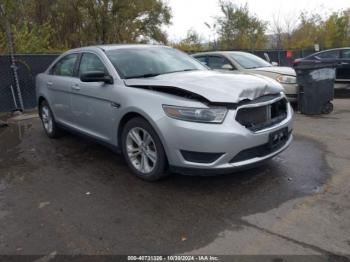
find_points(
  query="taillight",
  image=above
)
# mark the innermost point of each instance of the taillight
(296, 62)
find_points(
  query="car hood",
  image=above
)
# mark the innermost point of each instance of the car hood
(213, 86)
(277, 69)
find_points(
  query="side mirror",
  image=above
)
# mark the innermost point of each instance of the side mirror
(96, 76)
(227, 67)
(274, 63)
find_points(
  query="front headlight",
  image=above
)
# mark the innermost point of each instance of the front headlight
(283, 79)
(206, 115)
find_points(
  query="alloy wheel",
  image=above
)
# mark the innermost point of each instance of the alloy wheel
(141, 150)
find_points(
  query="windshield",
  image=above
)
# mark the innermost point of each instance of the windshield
(249, 61)
(151, 61)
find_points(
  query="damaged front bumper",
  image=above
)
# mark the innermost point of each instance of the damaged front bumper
(224, 148)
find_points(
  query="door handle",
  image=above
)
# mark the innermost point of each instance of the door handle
(343, 63)
(75, 87)
(49, 84)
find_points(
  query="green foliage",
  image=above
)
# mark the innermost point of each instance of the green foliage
(124, 21)
(33, 39)
(307, 33)
(239, 29)
(57, 25)
(53, 25)
(191, 43)
(336, 30)
(2, 41)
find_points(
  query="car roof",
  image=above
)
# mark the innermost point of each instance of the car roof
(334, 49)
(328, 50)
(113, 47)
(220, 53)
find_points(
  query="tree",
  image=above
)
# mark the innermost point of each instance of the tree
(278, 32)
(213, 30)
(34, 39)
(191, 43)
(307, 33)
(6, 9)
(127, 21)
(336, 30)
(60, 24)
(238, 29)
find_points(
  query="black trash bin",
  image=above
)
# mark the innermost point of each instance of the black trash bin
(316, 88)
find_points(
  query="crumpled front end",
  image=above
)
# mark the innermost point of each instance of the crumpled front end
(252, 133)
(212, 86)
(256, 127)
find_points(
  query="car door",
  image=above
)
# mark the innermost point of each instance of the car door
(343, 70)
(60, 79)
(91, 104)
(220, 63)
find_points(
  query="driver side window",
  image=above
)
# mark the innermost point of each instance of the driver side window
(219, 62)
(91, 62)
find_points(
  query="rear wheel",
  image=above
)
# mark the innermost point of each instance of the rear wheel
(48, 121)
(143, 150)
(327, 108)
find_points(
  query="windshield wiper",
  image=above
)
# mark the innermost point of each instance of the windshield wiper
(183, 70)
(190, 69)
(143, 76)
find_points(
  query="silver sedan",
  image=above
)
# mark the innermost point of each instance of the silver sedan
(243, 62)
(163, 110)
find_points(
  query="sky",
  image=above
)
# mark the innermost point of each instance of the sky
(192, 14)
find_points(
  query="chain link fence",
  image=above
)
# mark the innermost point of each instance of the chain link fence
(28, 66)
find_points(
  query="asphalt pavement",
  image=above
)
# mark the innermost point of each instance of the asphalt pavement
(73, 196)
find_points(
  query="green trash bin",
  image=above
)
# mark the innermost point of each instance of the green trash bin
(316, 88)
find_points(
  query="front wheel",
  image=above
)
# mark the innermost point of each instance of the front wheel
(143, 150)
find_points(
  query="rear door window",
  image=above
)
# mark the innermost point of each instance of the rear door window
(219, 62)
(333, 54)
(202, 59)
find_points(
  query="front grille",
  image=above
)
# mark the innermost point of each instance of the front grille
(258, 118)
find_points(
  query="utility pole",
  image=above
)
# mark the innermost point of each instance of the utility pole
(12, 57)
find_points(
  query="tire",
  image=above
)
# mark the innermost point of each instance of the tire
(48, 121)
(143, 150)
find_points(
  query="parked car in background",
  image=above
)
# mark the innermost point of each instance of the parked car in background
(163, 109)
(243, 62)
(340, 57)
